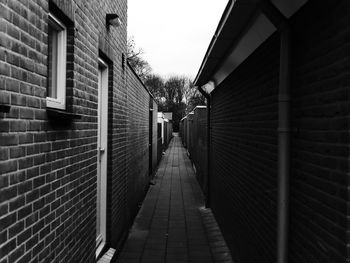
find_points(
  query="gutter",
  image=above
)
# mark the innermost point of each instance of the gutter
(207, 196)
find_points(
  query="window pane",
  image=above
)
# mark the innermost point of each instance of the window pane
(52, 63)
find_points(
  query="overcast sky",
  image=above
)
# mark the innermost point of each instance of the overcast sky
(174, 34)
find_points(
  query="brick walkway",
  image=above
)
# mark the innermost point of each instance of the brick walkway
(172, 224)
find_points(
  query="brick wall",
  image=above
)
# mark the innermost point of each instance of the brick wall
(185, 132)
(168, 133)
(244, 156)
(138, 142)
(112, 47)
(48, 165)
(244, 169)
(154, 135)
(199, 156)
(190, 138)
(320, 142)
(181, 130)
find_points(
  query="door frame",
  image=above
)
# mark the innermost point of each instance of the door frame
(102, 155)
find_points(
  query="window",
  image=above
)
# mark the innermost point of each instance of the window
(57, 48)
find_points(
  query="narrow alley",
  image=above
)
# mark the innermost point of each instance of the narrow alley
(234, 148)
(172, 224)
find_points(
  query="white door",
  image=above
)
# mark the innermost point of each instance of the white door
(102, 156)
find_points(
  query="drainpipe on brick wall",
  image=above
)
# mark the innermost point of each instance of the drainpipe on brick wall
(283, 128)
(207, 96)
(284, 147)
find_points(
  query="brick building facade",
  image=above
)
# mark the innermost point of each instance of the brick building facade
(58, 150)
(258, 51)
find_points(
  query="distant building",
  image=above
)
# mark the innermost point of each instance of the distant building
(166, 127)
(168, 115)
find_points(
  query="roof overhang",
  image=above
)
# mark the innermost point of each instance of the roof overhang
(242, 29)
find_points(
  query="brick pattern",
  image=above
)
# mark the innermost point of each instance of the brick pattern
(117, 223)
(320, 143)
(185, 132)
(244, 156)
(190, 138)
(138, 142)
(48, 166)
(244, 143)
(198, 153)
(168, 134)
(154, 136)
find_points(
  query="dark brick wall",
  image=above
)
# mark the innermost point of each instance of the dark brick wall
(320, 142)
(189, 129)
(244, 143)
(185, 131)
(181, 130)
(159, 143)
(138, 142)
(198, 154)
(154, 136)
(48, 166)
(244, 156)
(168, 133)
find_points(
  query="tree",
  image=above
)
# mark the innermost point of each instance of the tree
(176, 94)
(174, 98)
(156, 86)
(134, 56)
(193, 97)
(173, 89)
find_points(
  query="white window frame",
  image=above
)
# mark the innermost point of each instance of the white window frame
(60, 101)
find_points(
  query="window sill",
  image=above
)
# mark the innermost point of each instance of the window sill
(61, 115)
(5, 108)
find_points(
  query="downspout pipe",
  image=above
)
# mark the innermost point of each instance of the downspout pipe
(284, 129)
(207, 196)
(284, 132)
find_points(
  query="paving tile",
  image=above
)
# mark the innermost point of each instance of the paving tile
(130, 256)
(173, 244)
(177, 257)
(122, 260)
(172, 225)
(154, 253)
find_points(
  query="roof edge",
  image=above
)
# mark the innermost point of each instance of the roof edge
(243, 27)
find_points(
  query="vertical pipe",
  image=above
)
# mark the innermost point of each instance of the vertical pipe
(283, 144)
(280, 21)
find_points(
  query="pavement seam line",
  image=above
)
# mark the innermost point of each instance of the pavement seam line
(184, 208)
(171, 177)
(165, 160)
